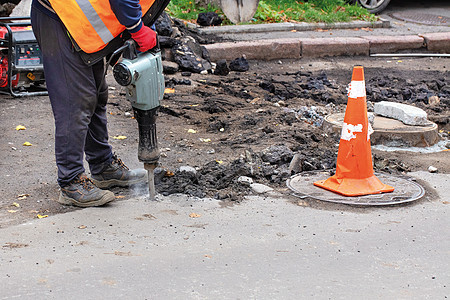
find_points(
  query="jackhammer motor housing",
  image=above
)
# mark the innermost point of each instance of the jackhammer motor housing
(144, 82)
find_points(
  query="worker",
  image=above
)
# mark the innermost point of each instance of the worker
(78, 93)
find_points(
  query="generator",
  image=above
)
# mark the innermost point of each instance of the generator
(21, 69)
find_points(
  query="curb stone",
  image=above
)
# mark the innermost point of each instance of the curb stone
(321, 47)
(256, 50)
(439, 42)
(294, 48)
(389, 44)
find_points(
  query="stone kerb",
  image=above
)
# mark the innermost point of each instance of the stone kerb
(438, 42)
(389, 44)
(409, 115)
(256, 50)
(320, 47)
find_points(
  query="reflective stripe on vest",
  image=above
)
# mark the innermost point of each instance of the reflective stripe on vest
(91, 23)
(95, 21)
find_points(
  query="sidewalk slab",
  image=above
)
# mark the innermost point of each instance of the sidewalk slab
(390, 44)
(247, 28)
(257, 50)
(346, 46)
(439, 42)
(342, 25)
(278, 27)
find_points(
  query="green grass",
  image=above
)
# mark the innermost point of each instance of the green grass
(277, 11)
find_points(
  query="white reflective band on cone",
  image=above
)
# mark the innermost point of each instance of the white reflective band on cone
(357, 89)
(348, 131)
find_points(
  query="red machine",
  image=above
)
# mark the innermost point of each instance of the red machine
(21, 70)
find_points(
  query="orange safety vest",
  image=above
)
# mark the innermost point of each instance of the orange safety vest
(91, 23)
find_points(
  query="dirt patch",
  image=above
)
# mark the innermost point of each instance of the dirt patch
(214, 129)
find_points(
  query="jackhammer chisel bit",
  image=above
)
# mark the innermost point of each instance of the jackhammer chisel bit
(141, 74)
(148, 151)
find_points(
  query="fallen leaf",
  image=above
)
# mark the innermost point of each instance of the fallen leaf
(194, 215)
(255, 100)
(82, 227)
(205, 140)
(27, 144)
(146, 217)
(169, 91)
(302, 203)
(120, 197)
(400, 61)
(192, 131)
(208, 256)
(42, 216)
(20, 127)
(219, 162)
(16, 204)
(11, 211)
(121, 253)
(14, 245)
(169, 174)
(22, 196)
(119, 137)
(193, 105)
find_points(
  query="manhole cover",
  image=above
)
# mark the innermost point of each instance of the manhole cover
(422, 18)
(406, 190)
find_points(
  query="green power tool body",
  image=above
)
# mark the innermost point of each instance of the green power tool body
(142, 76)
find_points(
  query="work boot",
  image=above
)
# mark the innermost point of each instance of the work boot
(82, 192)
(118, 174)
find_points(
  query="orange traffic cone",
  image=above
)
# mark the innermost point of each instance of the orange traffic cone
(354, 171)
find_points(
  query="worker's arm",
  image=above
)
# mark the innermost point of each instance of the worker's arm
(129, 14)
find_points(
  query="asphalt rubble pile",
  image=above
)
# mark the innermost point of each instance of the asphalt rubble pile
(303, 147)
(183, 51)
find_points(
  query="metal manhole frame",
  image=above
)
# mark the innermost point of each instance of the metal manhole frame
(409, 17)
(347, 200)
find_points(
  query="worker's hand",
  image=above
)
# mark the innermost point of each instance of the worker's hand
(145, 38)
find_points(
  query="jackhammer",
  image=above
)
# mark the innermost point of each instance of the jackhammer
(142, 75)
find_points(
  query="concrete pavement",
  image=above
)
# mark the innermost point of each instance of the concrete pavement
(268, 247)
(271, 246)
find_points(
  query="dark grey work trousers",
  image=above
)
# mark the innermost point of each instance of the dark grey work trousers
(79, 111)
